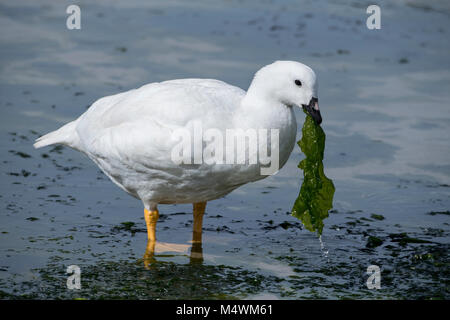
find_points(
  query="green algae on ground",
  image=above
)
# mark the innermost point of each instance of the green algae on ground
(373, 242)
(128, 279)
(433, 213)
(377, 216)
(127, 226)
(317, 191)
(403, 239)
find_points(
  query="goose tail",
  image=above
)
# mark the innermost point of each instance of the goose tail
(66, 135)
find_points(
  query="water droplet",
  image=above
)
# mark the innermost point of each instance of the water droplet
(323, 248)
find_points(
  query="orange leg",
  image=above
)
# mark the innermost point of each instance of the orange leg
(199, 210)
(197, 250)
(151, 217)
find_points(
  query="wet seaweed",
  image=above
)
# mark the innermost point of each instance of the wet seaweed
(317, 191)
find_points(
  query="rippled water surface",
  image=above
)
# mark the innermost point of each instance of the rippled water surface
(385, 103)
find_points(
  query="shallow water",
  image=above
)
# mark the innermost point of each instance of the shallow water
(385, 103)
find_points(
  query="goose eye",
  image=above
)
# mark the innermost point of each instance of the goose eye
(298, 83)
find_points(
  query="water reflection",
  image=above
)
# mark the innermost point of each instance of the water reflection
(317, 191)
(157, 247)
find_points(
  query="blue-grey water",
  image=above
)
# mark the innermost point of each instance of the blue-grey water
(384, 96)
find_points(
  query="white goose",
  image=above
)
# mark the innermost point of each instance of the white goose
(130, 135)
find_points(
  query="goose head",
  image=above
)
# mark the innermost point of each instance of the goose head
(290, 83)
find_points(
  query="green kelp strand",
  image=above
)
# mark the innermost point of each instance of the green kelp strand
(317, 191)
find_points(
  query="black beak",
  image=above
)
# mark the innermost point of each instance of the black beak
(313, 109)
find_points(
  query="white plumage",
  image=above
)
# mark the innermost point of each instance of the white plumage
(128, 135)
